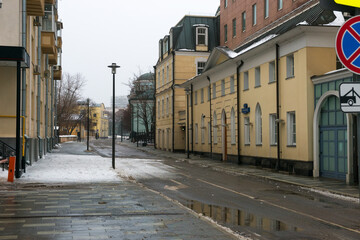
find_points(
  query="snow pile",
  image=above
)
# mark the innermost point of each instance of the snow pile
(64, 168)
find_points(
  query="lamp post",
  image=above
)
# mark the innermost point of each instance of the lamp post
(113, 71)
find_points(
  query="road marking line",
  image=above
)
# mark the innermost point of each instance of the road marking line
(287, 209)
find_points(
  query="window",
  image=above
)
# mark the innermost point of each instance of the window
(243, 26)
(158, 80)
(258, 125)
(290, 66)
(222, 87)
(246, 80)
(195, 93)
(200, 67)
(215, 128)
(201, 36)
(214, 90)
(254, 14)
(273, 129)
(160, 48)
(209, 133)
(257, 77)
(163, 76)
(202, 95)
(234, 27)
(291, 129)
(266, 8)
(280, 4)
(166, 45)
(163, 108)
(225, 33)
(272, 72)
(209, 93)
(247, 130)
(202, 129)
(232, 84)
(225, 3)
(167, 106)
(159, 109)
(232, 125)
(167, 74)
(196, 133)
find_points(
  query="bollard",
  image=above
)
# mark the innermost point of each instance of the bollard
(11, 173)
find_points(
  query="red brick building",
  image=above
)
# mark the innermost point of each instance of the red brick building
(243, 20)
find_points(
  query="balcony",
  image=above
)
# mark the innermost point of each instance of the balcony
(57, 72)
(48, 45)
(59, 42)
(50, 1)
(53, 58)
(35, 7)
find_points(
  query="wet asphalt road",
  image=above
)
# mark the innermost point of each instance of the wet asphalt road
(247, 205)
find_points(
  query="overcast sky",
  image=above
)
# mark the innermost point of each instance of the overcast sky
(98, 33)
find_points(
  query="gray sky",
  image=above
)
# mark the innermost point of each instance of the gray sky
(98, 33)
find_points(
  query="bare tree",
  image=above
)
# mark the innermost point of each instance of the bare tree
(69, 93)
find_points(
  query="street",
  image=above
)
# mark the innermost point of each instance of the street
(247, 205)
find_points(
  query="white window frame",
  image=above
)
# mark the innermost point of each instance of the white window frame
(258, 125)
(225, 3)
(198, 34)
(200, 66)
(254, 14)
(290, 66)
(223, 87)
(266, 8)
(196, 133)
(279, 4)
(232, 125)
(234, 27)
(215, 127)
(273, 129)
(243, 21)
(291, 128)
(272, 72)
(246, 130)
(232, 84)
(257, 77)
(246, 80)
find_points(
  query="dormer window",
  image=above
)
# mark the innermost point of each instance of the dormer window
(166, 45)
(202, 36)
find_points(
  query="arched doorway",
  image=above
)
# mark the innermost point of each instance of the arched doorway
(332, 143)
(224, 135)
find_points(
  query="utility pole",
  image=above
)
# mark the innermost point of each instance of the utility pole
(88, 123)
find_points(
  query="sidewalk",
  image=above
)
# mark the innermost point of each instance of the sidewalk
(329, 187)
(74, 194)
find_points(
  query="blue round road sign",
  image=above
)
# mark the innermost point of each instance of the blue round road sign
(348, 44)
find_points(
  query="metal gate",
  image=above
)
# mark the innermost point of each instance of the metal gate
(333, 152)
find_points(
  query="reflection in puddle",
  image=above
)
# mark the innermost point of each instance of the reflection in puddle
(237, 217)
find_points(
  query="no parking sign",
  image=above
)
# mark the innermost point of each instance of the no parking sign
(348, 44)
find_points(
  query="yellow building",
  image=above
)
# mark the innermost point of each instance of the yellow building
(182, 55)
(30, 55)
(256, 105)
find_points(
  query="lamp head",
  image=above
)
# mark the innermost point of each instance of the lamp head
(112, 66)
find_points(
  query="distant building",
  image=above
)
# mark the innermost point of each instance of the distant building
(142, 104)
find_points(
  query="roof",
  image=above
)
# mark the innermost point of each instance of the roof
(184, 33)
(147, 76)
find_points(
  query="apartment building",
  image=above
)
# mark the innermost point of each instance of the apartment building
(182, 55)
(30, 64)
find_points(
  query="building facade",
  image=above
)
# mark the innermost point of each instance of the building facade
(182, 55)
(254, 103)
(30, 64)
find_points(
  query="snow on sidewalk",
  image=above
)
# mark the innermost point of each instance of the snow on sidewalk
(65, 168)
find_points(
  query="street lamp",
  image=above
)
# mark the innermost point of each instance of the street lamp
(113, 71)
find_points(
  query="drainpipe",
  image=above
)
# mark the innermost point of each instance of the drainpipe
(155, 103)
(46, 103)
(173, 102)
(55, 113)
(23, 97)
(277, 166)
(38, 131)
(238, 106)
(192, 118)
(52, 110)
(211, 141)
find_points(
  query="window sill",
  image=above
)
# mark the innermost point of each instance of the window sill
(247, 144)
(290, 77)
(259, 144)
(291, 146)
(257, 86)
(272, 82)
(246, 90)
(273, 145)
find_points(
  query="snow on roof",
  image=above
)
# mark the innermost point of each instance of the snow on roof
(256, 44)
(339, 20)
(201, 25)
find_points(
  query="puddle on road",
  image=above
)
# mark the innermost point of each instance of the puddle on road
(236, 217)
